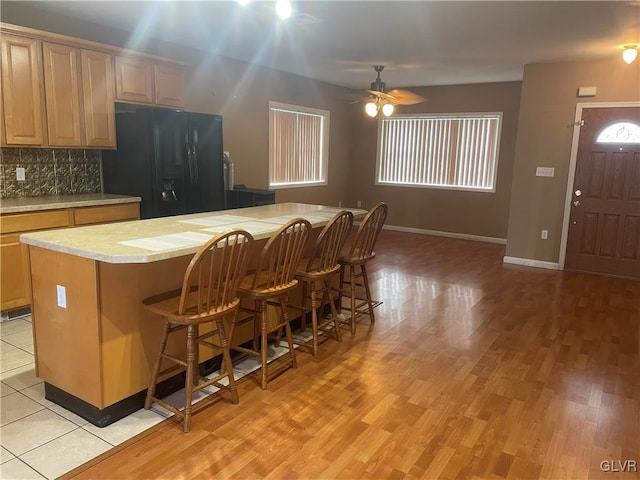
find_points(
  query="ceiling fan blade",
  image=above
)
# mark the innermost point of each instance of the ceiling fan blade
(351, 96)
(405, 97)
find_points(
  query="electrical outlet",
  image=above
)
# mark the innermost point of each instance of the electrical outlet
(340, 203)
(20, 174)
(61, 294)
(359, 203)
(544, 234)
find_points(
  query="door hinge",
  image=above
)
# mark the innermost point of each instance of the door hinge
(579, 123)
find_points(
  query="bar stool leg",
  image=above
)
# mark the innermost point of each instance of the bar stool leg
(352, 282)
(264, 343)
(151, 391)
(314, 318)
(341, 288)
(368, 292)
(303, 317)
(287, 329)
(192, 334)
(334, 312)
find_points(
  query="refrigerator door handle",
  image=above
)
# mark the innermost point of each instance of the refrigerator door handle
(195, 156)
(189, 160)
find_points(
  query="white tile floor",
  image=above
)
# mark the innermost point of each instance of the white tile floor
(39, 439)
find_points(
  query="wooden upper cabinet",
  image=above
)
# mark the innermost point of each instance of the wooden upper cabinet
(98, 96)
(22, 95)
(62, 87)
(169, 84)
(134, 80)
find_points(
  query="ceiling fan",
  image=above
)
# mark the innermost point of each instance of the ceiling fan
(382, 101)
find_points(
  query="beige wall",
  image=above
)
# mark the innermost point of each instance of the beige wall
(547, 108)
(473, 213)
(241, 94)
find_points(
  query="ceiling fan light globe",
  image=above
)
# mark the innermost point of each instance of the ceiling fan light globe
(629, 54)
(371, 108)
(387, 109)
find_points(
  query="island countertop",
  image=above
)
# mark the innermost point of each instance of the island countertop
(53, 202)
(145, 241)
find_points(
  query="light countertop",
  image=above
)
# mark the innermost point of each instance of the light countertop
(52, 202)
(144, 241)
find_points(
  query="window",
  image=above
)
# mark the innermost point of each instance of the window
(298, 146)
(623, 132)
(442, 151)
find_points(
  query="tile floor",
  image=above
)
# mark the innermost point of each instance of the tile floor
(39, 439)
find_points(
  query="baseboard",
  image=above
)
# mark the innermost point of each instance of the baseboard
(436, 233)
(527, 262)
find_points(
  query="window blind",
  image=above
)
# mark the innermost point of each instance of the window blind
(297, 146)
(444, 151)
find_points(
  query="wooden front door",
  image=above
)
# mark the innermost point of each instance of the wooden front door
(604, 225)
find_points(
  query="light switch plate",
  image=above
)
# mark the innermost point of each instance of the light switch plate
(545, 172)
(20, 174)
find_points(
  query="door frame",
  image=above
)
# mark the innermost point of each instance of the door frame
(572, 168)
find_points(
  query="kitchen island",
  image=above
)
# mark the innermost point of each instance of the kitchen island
(94, 343)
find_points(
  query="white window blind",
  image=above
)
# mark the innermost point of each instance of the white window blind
(445, 151)
(298, 141)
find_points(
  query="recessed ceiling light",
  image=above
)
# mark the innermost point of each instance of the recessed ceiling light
(243, 2)
(283, 9)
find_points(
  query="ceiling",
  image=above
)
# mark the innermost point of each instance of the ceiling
(421, 43)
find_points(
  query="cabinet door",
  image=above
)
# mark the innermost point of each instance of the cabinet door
(98, 99)
(169, 84)
(134, 80)
(15, 291)
(62, 87)
(22, 91)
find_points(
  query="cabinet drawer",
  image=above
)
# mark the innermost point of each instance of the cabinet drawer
(24, 222)
(109, 213)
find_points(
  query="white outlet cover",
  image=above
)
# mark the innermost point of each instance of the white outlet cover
(20, 174)
(61, 293)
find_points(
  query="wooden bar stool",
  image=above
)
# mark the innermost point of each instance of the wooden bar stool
(315, 274)
(208, 294)
(356, 254)
(270, 284)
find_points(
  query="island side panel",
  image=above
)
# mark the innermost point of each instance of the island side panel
(67, 340)
(131, 334)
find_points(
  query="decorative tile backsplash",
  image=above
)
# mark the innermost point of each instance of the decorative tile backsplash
(49, 172)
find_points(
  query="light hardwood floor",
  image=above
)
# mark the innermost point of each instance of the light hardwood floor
(474, 369)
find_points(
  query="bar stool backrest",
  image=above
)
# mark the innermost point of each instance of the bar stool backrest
(330, 242)
(367, 234)
(214, 274)
(281, 256)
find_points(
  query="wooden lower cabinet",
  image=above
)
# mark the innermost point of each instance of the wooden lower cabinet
(15, 281)
(15, 290)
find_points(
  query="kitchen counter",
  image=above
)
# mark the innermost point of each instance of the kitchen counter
(52, 202)
(145, 241)
(95, 343)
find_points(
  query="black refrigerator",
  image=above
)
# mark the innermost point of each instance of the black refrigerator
(171, 159)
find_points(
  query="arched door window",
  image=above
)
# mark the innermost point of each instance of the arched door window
(623, 132)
